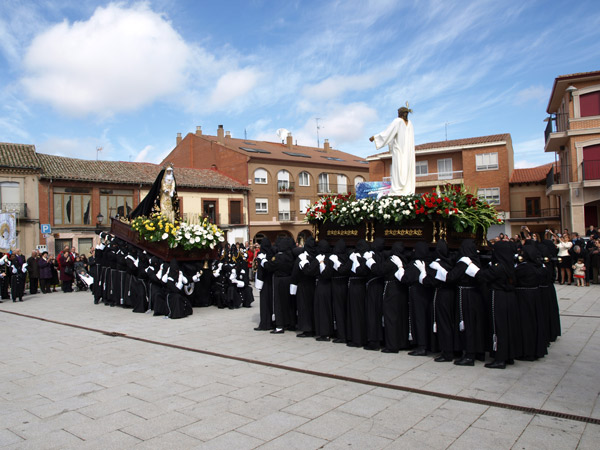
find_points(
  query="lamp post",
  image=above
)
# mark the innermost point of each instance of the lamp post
(99, 220)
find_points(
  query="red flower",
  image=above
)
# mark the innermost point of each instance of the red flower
(446, 211)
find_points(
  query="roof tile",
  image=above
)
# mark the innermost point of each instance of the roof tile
(530, 175)
(18, 156)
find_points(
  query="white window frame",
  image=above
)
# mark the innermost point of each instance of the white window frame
(261, 201)
(301, 179)
(323, 175)
(487, 161)
(261, 180)
(489, 195)
(357, 180)
(342, 180)
(419, 165)
(303, 205)
(445, 174)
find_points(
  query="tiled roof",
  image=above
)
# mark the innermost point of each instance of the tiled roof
(561, 83)
(277, 151)
(531, 175)
(18, 156)
(579, 75)
(457, 143)
(62, 168)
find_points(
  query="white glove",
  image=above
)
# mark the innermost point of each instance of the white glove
(179, 286)
(261, 256)
(303, 256)
(321, 258)
(368, 255)
(165, 278)
(262, 263)
(196, 277)
(258, 284)
(399, 274)
(24, 267)
(233, 275)
(435, 265)
(421, 266)
(100, 246)
(159, 274)
(354, 257)
(293, 289)
(302, 263)
(183, 278)
(396, 261)
(240, 283)
(370, 262)
(14, 269)
(472, 270)
(336, 261)
(136, 262)
(441, 274)
(466, 260)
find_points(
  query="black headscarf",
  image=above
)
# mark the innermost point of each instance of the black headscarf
(323, 247)
(469, 249)
(266, 248)
(503, 254)
(399, 251)
(310, 246)
(421, 251)
(340, 250)
(361, 246)
(443, 254)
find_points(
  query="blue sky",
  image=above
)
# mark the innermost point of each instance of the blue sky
(127, 76)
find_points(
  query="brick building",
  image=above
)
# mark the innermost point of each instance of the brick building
(284, 177)
(483, 164)
(529, 203)
(573, 134)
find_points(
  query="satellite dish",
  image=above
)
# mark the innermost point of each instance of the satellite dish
(282, 133)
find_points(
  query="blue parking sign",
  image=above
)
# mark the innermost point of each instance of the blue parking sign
(45, 228)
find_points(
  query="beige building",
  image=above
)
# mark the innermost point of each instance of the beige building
(19, 175)
(284, 177)
(573, 134)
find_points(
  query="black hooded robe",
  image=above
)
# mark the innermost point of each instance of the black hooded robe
(395, 303)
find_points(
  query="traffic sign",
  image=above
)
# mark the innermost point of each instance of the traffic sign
(45, 228)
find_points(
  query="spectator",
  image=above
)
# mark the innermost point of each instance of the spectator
(564, 245)
(579, 272)
(45, 267)
(66, 265)
(33, 271)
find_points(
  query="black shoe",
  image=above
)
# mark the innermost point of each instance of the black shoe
(306, 334)
(339, 341)
(352, 344)
(510, 362)
(496, 365)
(277, 331)
(20, 299)
(442, 358)
(14, 301)
(372, 346)
(464, 362)
(291, 328)
(261, 329)
(421, 352)
(323, 338)
(387, 350)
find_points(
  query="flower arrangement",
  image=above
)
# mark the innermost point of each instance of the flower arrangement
(453, 202)
(157, 228)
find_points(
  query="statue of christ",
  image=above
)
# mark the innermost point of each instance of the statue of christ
(400, 137)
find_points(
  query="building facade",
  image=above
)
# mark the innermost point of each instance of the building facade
(573, 135)
(483, 164)
(284, 177)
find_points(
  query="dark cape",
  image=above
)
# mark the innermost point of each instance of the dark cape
(395, 301)
(151, 201)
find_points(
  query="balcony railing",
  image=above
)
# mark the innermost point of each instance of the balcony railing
(286, 216)
(450, 175)
(19, 208)
(590, 170)
(557, 175)
(548, 130)
(285, 187)
(536, 214)
(329, 188)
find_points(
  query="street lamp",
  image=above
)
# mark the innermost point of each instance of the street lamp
(99, 219)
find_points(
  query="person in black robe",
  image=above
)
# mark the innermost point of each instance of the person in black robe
(357, 294)
(239, 292)
(156, 272)
(531, 308)
(220, 286)
(339, 290)
(420, 300)
(281, 266)
(34, 272)
(4, 275)
(178, 305)
(395, 301)
(443, 306)
(303, 287)
(505, 320)
(470, 313)
(18, 268)
(549, 297)
(374, 300)
(264, 283)
(321, 268)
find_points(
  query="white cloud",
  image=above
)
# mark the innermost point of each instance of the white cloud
(233, 86)
(82, 148)
(536, 94)
(336, 86)
(118, 60)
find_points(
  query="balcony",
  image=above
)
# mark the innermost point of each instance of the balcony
(285, 187)
(434, 179)
(536, 215)
(19, 208)
(286, 216)
(328, 188)
(557, 179)
(554, 139)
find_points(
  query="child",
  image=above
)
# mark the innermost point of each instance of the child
(579, 272)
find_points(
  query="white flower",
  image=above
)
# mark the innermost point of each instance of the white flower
(165, 235)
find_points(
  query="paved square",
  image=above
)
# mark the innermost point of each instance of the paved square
(90, 376)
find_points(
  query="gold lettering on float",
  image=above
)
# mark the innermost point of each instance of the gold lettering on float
(342, 232)
(413, 232)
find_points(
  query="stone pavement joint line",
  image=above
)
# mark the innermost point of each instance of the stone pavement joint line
(525, 409)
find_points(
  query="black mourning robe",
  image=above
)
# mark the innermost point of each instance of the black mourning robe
(395, 302)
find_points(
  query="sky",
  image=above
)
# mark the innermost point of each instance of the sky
(78, 75)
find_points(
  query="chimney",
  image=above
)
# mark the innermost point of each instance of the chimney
(178, 140)
(326, 145)
(198, 131)
(220, 133)
(289, 141)
(228, 134)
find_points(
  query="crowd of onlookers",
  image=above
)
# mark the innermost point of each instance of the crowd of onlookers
(42, 271)
(578, 257)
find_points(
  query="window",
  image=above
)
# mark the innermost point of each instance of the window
(235, 212)
(323, 183)
(284, 209)
(304, 179)
(421, 168)
(84, 245)
(532, 207)
(358, 180)
(304, 205)
(9, 194)
(209, 209)
(261, 205)
(260, 176)
(283, 180)
(72, 206)
(116, 202)
(486, 161)
(60, 244)
(445, 169)
(491, 195)
(342, 181)
(589, 104)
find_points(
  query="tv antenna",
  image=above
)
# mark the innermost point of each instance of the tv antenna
(98, 149)
(318, 128)
(446, 126)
